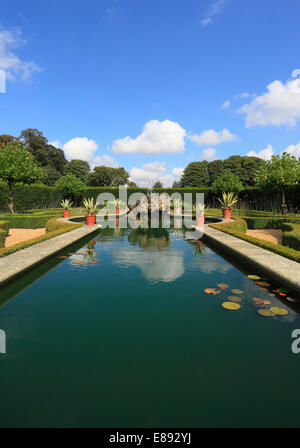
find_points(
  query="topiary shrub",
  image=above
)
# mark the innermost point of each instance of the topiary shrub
(291, 235)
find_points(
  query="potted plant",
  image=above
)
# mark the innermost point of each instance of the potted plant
(66, 205)
(177, 206)
(228, 200)
(91, 208)
(116, 203)
(200, 214)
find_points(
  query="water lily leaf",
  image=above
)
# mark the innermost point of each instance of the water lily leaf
(234, 298)
(267, 313)
(254, 277)
(212, 291)
(279, 310)
(223, 286)
(282, 294)
(258, 300)
(231, 305)
(271, 294)
(267, 302)
(62, 257)
(237, 291)
(263, 284)
(291, 299)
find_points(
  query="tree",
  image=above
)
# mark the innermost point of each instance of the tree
(132, 184)
(80, 169)
(250, 166)
(6, 139)
(279, 173)
(176, 184)
(195, 175)
(45, 155)
(17, 165)
(105, 176)
(51, 175)
(158, 185)
(227, 182)
(71, 187)
(215, 170)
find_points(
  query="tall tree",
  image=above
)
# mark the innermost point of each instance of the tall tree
(215, 170)
(158, 185)
(250, 166)
(80, 168)
(195, 175)
(44, 154)
(17, 165)
(279, 173)
(5, 139)
(227, 182)
(105, 176)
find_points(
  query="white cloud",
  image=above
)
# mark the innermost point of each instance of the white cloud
(153, 172)
(56, 144)
(296, 73)
(294, 150)
(157, 137)
(80, 148)
(104, 160)
(209, 154)
(278, 106)
(215, 9)
(225, 105)
(11, 63)
(212, 137)
(265, 154)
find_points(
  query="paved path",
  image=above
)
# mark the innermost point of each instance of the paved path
(15, 264)
(280, 268)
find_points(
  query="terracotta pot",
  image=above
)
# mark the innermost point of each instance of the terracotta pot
(200, 220)
(117, 210)
(226, 213)
(90, 220)
(177, 211)
(66, 213)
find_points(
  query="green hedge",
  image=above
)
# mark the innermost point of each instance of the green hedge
(63, 228)
(4, 228)
(26, 222)
(291, 235)
(274, 222)
(276, 248)
(29, 196)
(53, 225)
(238, 225)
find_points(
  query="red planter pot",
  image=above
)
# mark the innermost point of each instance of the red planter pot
(200, 220)
(66, 213)
(90, 220)
(226, 213)
(177, 211)
(117, 211)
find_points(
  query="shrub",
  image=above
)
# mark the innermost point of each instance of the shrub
(238, 225)
(27, 222)
(291, 235)
(269, 222)
(3, 235)
(71, 187)
(52, 225)
(227, 182)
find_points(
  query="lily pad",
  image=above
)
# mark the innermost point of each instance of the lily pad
(254, 277)
(223, 286)
(62, 257)
(267, 313)
(279, 310)
(231, 305)
(212, 291)
(237, 291)
(291, 299)
(267, 302)
(234, 298)
(263, 284)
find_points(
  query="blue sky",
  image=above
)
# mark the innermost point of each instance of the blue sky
(152, 85)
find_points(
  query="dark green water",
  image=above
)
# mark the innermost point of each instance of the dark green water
(134, 341)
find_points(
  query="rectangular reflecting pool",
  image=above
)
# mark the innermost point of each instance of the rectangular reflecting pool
(143, 328)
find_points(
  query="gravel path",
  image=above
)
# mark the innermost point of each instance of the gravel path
(19, 235)
(272, 235)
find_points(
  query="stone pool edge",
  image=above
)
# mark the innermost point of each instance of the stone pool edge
(16, 264)
(284, 270)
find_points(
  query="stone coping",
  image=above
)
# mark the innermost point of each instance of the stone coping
(17, 263)
(280, 268)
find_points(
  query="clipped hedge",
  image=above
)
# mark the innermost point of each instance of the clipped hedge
(53, 225)
(291, 235)
(29, 196)
(26, 221)
(4, 228)
(269, 222)
(238, 225)
(62, 228)
(287, 252)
